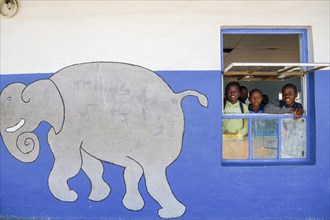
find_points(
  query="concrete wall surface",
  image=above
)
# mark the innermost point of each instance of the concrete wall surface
(160, 35)
(142, 139)
(197, 178)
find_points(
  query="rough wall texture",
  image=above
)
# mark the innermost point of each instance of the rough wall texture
(197, 178)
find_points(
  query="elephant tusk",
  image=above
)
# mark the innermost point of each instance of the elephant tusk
(16, 127)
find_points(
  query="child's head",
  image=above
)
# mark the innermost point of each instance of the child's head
(289, 94)
(265, 99)
(232, 92)
(243, 93)
(255, 97)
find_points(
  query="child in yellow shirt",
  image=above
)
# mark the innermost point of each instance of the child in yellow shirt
(233, 106)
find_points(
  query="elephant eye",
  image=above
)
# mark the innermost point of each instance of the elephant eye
(9, 98)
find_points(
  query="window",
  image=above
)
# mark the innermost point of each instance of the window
(267, 59)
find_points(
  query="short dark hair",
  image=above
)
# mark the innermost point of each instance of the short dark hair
(255, 90)
(234, 83)
(289, 85)
(243, 87)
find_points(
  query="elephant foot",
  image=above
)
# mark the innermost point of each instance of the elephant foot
(172, 212)
(99, 193)
(69, 196)
(133, 202)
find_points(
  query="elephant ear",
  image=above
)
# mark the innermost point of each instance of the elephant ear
(46, 101)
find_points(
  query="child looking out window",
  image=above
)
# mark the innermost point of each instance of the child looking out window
(233, 106)
(255, 97)
(287, 104)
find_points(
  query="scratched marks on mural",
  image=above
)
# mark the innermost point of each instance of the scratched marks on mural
(102, 111)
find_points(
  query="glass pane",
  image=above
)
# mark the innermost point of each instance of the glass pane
(264, 138)
(234, 148)
(234, 139)
(293, 138)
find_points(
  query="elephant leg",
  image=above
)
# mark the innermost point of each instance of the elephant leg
(94, 170)
(159, 189)
(67, 164)
(132, 175)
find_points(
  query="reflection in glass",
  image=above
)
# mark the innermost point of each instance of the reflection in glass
(293, 138)
(264, 138)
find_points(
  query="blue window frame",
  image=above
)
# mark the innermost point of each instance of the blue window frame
(278, 120)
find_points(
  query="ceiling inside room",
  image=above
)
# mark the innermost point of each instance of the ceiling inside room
(279, 48)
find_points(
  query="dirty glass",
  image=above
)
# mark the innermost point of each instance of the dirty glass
(293, 138)
(264, 138)
(234, 148)
(235, 143)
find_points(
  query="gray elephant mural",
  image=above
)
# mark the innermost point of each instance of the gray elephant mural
(101, 111)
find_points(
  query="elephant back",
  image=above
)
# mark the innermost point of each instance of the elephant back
(117, 89)
(115, 80)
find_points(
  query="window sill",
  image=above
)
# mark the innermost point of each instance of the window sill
(268, 162)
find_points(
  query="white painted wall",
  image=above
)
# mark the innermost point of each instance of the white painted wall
(45, 36)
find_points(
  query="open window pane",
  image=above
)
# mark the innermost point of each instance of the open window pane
(264, 138)
(293, 138)
(269, 71)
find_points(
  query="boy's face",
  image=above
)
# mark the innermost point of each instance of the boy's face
(255, 99)
(289, 96)
(232, 94)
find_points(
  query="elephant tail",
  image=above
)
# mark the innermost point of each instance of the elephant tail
(201, 98)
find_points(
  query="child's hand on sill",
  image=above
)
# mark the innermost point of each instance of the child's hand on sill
(298, 113)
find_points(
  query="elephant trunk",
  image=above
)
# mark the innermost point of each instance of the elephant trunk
(23, 146)
(22, 109)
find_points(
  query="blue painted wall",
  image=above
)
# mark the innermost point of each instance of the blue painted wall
(208, 189)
